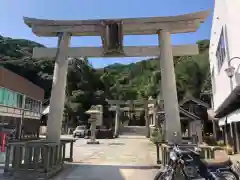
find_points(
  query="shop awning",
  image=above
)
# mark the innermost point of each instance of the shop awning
(234, 116)
(231, 103)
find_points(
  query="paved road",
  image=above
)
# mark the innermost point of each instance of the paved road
(125, 158)
(106, 172)
(235, 158)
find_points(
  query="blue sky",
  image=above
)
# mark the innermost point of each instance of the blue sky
(12, 12)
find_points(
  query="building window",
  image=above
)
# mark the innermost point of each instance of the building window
(14, 99)
(28, 103)
(19, 100)
(1, 95)
(32, 104)
(11, 99)
(5, 97)
(35, 103)
(221, 51)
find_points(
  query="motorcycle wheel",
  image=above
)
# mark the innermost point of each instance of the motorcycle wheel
(228, 175)
(162, 176)
(159, 176)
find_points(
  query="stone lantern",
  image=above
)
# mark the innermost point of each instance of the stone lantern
(95, 112)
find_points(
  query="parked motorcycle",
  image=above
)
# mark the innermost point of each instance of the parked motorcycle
(189, 165)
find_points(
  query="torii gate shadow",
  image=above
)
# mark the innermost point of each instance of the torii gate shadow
(106, 172)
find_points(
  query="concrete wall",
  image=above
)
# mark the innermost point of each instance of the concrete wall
(226, 16)
(19, 84)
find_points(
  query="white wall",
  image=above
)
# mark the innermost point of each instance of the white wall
(227, 16)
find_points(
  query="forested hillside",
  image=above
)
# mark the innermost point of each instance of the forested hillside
(142, 79)
(87, 86)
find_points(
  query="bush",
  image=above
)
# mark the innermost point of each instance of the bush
(228, 148)
(210, 140)
(157, 135)
(220, 143)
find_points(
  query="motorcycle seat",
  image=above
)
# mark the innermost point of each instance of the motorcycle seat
(219, 162)
(185, 152)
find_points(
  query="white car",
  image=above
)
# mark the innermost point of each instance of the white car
(79, 131)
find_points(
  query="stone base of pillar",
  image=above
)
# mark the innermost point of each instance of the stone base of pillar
(93, 142)
(115, 135)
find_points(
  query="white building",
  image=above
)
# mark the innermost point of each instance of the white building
(224, 55)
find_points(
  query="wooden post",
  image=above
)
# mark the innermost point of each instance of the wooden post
(30, 154)
(64, 152)
(46, 158)
(36, 156)
(225, 133)
(71, 151)
(158, 157)
(17, 158)
(60, 153)
(52, 155)
(117, 122)
(146, 119)
(214, 129)
(26, 157)
(7, 160)
(20, 124)
(236, 137)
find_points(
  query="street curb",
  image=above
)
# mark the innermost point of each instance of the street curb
(120, 165)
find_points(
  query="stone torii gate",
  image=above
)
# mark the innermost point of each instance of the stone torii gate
(112, 32)
(117, 109)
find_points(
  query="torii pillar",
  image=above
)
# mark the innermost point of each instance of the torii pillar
(169, 90)
(146, 119)
(55, 116)
(117, 121)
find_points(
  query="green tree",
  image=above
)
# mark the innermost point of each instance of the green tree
(87, 86)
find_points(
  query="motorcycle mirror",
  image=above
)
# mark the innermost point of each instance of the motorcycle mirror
(197, 149)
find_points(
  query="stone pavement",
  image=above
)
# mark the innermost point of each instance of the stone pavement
(105, 172)
(235, 158)
(131, 150)
(125, 158)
